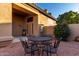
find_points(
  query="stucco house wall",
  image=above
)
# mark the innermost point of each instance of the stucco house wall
(48, 24)
(74, 28)
(5, 21)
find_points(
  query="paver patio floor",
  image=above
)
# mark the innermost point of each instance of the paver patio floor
(65, 49)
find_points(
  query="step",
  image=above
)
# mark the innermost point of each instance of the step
(5, 40)
(5, 43)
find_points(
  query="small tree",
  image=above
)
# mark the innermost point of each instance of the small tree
(62, 32)
(70, 17)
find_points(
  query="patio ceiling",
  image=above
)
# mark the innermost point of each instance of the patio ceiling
(21, 13)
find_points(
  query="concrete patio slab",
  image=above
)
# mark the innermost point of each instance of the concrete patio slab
(65, 49)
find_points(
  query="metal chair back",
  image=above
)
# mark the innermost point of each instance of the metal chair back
(56, 43)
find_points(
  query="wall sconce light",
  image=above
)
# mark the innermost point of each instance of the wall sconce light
(41, 28)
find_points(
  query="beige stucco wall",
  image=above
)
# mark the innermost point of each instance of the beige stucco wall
(5, 29)
(48, 24)
(49, 30)
(5, 13)
(46, 21)
(5, 19)
(42, 19)
(74, 31)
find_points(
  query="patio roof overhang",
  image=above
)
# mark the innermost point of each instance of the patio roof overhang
(40, 10)
(20, 10)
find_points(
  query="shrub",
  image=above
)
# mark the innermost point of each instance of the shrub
(62, 32)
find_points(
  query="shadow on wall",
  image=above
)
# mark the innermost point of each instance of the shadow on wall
(47, 31)
(5, 29)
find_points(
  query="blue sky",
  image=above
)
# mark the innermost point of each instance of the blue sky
(59, 8)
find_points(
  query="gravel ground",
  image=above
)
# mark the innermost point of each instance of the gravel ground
(65, 49)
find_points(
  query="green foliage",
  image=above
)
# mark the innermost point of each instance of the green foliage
(62, 32)
(68, 17)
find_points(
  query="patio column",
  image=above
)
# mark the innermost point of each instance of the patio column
(35, 26)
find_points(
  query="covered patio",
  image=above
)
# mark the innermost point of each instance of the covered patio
(23, 19)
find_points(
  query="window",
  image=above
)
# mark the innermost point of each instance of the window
(41, 28)
(30, 19)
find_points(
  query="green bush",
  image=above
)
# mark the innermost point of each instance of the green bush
(62, 32)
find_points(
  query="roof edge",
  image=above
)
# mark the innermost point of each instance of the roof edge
(40, 10)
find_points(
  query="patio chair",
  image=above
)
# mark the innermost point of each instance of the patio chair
(51, 49)
(29, 49)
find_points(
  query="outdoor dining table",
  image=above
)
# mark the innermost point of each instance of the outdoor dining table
(39, 41)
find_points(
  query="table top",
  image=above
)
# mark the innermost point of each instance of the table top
(40, 39)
